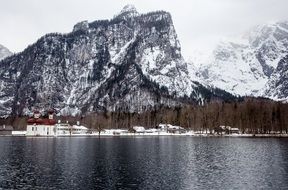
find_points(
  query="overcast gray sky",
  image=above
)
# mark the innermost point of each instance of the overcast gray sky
(199, 23)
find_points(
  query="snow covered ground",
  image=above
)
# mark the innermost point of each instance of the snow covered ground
(18, 133)
(124, 132)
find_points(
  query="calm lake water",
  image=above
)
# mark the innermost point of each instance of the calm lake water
(143, 163)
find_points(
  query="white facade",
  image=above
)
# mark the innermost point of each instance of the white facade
(55, 130)
(63, 129)
(66, 129)
(79, 129)
(234, 131)
(40, 130)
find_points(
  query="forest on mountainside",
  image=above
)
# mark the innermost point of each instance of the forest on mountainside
(253, 115)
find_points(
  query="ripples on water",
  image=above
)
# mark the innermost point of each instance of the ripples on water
(143, 163)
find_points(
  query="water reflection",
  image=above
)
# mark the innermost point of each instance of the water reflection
(143, 163)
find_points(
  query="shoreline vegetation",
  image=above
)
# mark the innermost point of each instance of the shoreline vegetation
(253, 116)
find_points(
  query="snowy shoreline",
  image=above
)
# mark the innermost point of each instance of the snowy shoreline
(188, 134)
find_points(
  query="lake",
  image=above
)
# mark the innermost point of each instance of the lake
(143, 163)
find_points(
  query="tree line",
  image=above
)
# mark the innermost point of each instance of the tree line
(253, 115)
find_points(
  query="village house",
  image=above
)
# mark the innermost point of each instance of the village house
(222, 129)
(171, 128)
(176, 129)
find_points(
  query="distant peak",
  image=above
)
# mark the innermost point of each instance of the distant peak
(84, 25)
(4, 52)
(128, 10)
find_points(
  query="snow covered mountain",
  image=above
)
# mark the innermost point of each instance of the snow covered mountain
(132, 62)
(4, 52)
(250, 66)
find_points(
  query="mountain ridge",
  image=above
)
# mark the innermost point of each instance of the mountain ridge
(4, 52)
(248, 67)
(129, 63)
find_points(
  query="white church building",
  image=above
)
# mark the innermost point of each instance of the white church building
(37, 126)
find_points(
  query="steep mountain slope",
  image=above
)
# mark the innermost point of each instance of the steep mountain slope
(277, 86)
(132, 62)
(4, 52)
(245, 67)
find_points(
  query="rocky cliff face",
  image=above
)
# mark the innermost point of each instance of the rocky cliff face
(249, 67)
(4, 52)
(132, 62)
(277, 86)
